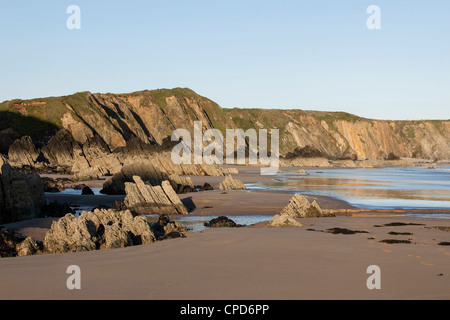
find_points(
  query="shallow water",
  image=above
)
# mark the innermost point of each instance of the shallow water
(78, 192)
(383, 188)
(195, 223)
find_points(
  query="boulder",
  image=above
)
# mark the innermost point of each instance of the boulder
(100, 229)
(86, 191)
(229, 183)
(221, 222)
(21, 195)
(300, 207)
(165, 229)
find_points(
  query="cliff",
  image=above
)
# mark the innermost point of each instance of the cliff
(151, 116)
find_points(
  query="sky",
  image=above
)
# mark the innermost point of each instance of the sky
(311, 55)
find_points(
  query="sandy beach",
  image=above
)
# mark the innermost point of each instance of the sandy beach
(251, 262)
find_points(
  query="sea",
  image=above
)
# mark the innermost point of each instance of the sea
(365, 188)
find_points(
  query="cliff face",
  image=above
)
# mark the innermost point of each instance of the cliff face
(151, 116)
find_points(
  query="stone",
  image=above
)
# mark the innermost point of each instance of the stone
(27, 247)
(23, 152)
(284, 221)
(229, 183)
(21, 195)
(86, 191)
(99, 229)
(300, 207)
(59, 150)
(221, 222)
(144, 198)
(165, 229)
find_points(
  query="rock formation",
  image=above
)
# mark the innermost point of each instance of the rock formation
(144, 198)
(145, 170)
(300, 207)
(151, 116)
(21, 195)
(221, 222)
(229, 183)
(100, 229)
(59, 150)
(27, 247)
(23, 152)
(283, 221)
(86, 191)
(12, 245)
(165, 229)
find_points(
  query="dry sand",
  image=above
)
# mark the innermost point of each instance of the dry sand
(250, 263)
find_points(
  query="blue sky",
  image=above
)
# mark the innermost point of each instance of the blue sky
(312, 55)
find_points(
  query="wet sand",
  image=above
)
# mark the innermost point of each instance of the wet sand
(251, 263)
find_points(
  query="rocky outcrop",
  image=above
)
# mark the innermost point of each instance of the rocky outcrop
(229, 183)
(94, 158)
(144, 198)
(21, 195)
(100, 229)
(300, 207)
(59, 150)
(12, 245)
(23, 152)
(145, 170)
(283, 221)
(27, 247)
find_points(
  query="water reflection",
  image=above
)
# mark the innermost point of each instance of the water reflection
(382, 187)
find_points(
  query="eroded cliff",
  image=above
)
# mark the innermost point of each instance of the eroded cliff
(110, 120)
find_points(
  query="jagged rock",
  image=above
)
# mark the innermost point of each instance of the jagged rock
(284, 221)
(23, 152)
(221, 222)
(160, 168)
(229, 183)
(94, 158)
(165, 229)
(299, 207)
(302, 171)
(147, 171)
(27, 247)
(59, 150)
(147, 199)
(100, 229)
(181, 184)
(21, 195)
